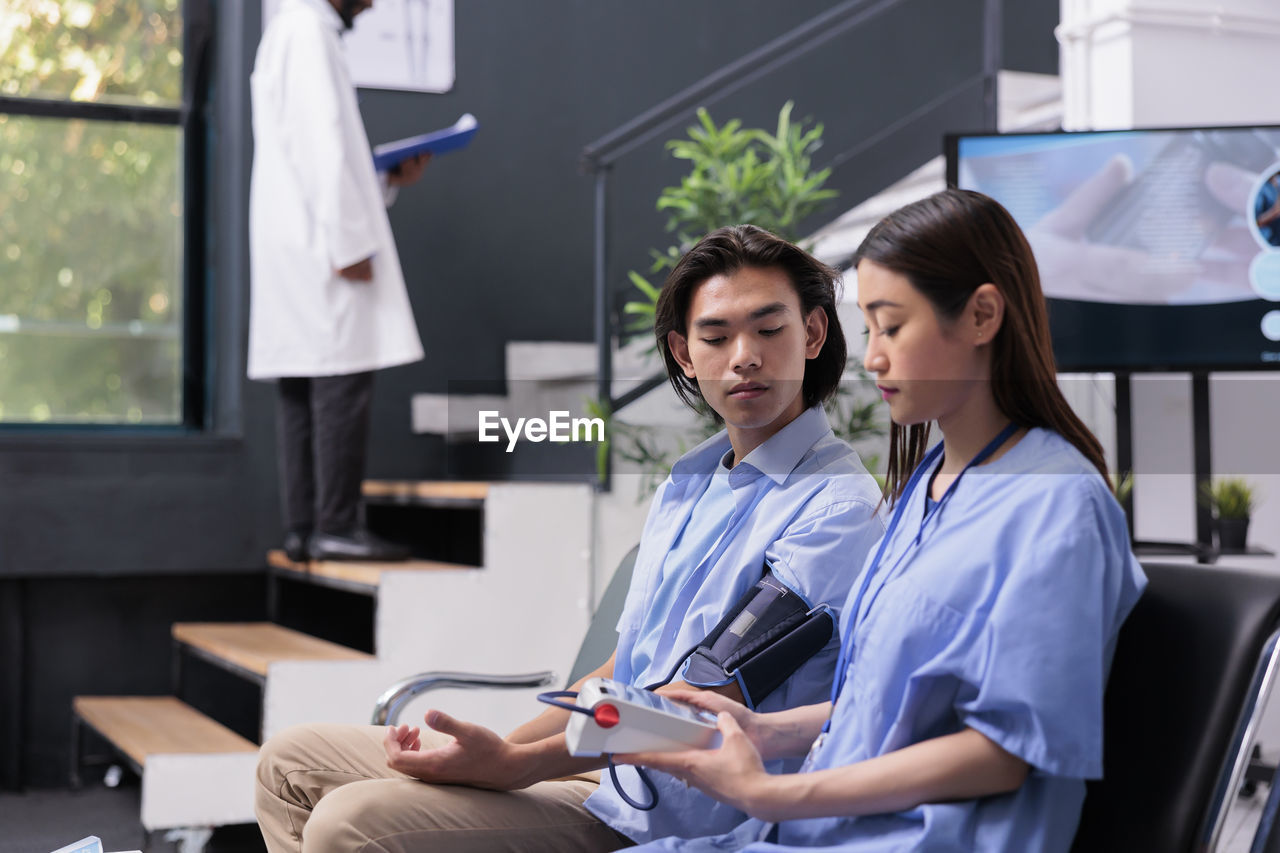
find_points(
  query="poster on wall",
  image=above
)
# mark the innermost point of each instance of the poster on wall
(398, 44)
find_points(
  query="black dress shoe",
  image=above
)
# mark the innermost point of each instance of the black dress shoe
(295, 545)
(354, 545)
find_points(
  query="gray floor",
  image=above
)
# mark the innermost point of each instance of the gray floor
(40, 821)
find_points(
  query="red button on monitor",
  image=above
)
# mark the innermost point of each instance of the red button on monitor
(606, 716)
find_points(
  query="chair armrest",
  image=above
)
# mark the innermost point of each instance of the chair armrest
(387, 711)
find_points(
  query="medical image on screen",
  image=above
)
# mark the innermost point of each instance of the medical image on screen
(1158, 249)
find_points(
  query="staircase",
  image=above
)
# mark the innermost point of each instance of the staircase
(541, 376)
(522, 606)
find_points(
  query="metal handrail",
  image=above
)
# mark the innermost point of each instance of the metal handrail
(760, 62)
(906, 121)
(599, 156)
(387, 709)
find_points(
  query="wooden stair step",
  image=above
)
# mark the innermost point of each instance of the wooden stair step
(254, 646)
(354, 575)
(436, 493)
(141, 726)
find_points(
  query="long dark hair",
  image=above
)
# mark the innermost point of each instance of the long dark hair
(948, 245)
(724, 252)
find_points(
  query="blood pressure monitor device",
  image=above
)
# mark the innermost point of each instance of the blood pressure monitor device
(758, 644)
(616, 717)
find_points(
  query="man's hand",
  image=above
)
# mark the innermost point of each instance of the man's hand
(477, 757)
(359, 271)
(408, 171)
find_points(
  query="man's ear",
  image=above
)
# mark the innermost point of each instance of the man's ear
(986, 311)
(679, 346)
(815, 332)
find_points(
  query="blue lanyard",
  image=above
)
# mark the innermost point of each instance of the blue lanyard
(847, 644)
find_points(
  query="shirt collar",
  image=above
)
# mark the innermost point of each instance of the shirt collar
(704, 456)
(776, 458)
(782, 452)
(325, 10)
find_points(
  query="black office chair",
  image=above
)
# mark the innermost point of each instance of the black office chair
(597, 645)
(1194, 667)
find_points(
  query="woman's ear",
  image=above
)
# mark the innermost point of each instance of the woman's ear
(679, 346)
(986, 311)
(815, 332)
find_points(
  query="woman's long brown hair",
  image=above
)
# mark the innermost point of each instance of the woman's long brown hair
(948, 245)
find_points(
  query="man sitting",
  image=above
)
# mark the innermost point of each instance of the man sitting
(747, 323)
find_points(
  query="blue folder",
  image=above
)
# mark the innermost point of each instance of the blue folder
(391, 154)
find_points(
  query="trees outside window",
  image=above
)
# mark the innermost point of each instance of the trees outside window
(93, 124)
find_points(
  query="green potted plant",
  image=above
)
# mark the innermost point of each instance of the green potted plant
(1122, 485)
(736, 174)
(1231, 499)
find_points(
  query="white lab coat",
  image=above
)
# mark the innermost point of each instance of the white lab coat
(316, 205)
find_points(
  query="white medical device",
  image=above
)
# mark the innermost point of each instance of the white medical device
(616, 717)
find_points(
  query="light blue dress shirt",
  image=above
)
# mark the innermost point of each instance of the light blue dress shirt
(803, 502)
(706, 524)
(1002, 619)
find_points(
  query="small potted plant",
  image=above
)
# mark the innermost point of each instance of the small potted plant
(1232, 500)
(1122, 485)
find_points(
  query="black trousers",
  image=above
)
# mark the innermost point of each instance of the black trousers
(322, 428)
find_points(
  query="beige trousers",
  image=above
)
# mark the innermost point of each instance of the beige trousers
(327, 789)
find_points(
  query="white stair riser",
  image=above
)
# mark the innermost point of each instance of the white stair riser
(526, 610)
(198, 790)
(551, 361)
(454, 415)
(298, 692)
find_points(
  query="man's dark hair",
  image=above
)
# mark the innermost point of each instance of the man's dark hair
(347, 12)
(724, 252)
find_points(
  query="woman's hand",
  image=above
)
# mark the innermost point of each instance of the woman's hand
(780, 734)
(477, 756)
(733, 774)
(749, 721)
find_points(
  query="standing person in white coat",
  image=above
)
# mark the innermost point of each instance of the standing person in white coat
(329, 304)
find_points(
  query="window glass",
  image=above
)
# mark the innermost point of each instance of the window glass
(91, 283)
(123, 51)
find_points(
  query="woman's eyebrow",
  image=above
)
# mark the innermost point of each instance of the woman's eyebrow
(882, 303)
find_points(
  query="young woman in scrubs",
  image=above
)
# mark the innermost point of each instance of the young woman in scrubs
(966, 712)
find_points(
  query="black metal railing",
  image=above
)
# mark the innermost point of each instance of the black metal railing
(599, 157)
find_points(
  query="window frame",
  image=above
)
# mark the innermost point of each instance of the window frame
(191, 117)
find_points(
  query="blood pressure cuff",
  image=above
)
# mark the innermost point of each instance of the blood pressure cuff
(764, 638)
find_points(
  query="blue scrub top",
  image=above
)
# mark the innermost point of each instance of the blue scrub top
(803, 502)
(1004, 619)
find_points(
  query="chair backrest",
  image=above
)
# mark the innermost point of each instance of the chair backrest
(1184, 666)
(602, 633)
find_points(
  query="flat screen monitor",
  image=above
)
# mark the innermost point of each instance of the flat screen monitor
(1158, 249)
